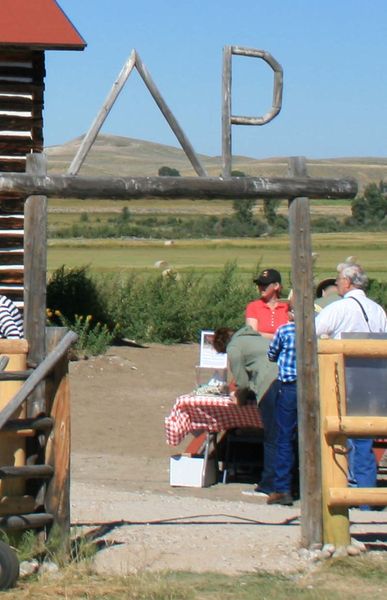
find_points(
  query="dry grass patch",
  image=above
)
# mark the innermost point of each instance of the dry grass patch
(337, 579)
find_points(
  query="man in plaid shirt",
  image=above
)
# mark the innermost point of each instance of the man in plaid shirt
(283, 351)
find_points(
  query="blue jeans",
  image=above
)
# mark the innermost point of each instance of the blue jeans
(267, 407)
(362, 464)
(286, 433)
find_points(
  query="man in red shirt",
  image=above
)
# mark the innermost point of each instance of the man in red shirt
(269, 312)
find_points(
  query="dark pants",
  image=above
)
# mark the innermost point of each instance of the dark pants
(267, 407)
(286, 433)
(362, 464)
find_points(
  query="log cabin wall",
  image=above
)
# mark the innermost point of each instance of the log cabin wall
(21, 132)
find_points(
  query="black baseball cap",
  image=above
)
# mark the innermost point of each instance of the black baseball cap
(268, 276)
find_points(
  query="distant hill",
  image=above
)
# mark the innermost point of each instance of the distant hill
(116, 155)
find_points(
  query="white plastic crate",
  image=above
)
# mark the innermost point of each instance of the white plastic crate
(188, 471)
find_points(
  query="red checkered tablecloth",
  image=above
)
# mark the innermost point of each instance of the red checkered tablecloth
(207, 413)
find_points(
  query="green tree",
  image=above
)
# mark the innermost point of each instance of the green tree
(244, 210)
(371, 207)
(270, 210)
(168, 172)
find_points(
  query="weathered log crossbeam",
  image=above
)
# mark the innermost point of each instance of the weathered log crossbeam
(65, 186)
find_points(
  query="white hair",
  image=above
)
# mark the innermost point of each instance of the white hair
(354, 273)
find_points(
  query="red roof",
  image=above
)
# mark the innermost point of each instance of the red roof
(39, 24)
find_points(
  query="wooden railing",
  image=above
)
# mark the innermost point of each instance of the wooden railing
(41, 495)
(336, 428)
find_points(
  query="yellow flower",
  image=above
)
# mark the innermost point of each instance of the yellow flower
(57, 313)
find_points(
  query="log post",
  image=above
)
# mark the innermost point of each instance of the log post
(226, 113)
(35, 273)
(333, 455)
(57, 500)
(91, 135)
(170, 118)
(307, 369)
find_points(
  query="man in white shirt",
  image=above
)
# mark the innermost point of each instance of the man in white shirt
(340, 317)
(354, 313)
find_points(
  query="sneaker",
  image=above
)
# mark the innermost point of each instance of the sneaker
(283, 498)
(257, 491)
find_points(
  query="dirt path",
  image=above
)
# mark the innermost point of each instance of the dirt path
(120, 476)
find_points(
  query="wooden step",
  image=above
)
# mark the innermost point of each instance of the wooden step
(27, 472)
(23, 428)
(37, 424)
(15, 375)
(25, 521)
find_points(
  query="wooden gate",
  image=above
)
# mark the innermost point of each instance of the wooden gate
(336, 427)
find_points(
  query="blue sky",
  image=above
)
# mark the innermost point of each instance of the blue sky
(333, 53)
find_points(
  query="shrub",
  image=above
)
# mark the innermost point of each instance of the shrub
(377, 290)
(93, 338)
(225, 300)
(158, 308)
(172, 308)
(74, 292)
(281, 224)
(168, 172)
(326, 224)
(165, 308)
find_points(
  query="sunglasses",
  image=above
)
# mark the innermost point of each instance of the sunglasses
(263, 286)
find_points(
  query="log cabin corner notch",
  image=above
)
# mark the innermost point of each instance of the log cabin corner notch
(27, 29)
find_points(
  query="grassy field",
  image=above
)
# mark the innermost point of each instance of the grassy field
(208, 256)
(204, 256)
(62, 213)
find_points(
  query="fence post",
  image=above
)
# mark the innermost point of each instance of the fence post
(57, 501)
(333, 455)
(226, 113)
(35, 273)
(307, 367)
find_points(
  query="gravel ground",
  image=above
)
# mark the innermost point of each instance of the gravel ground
(120, 479)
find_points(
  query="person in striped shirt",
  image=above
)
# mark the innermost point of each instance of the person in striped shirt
(11, 322)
